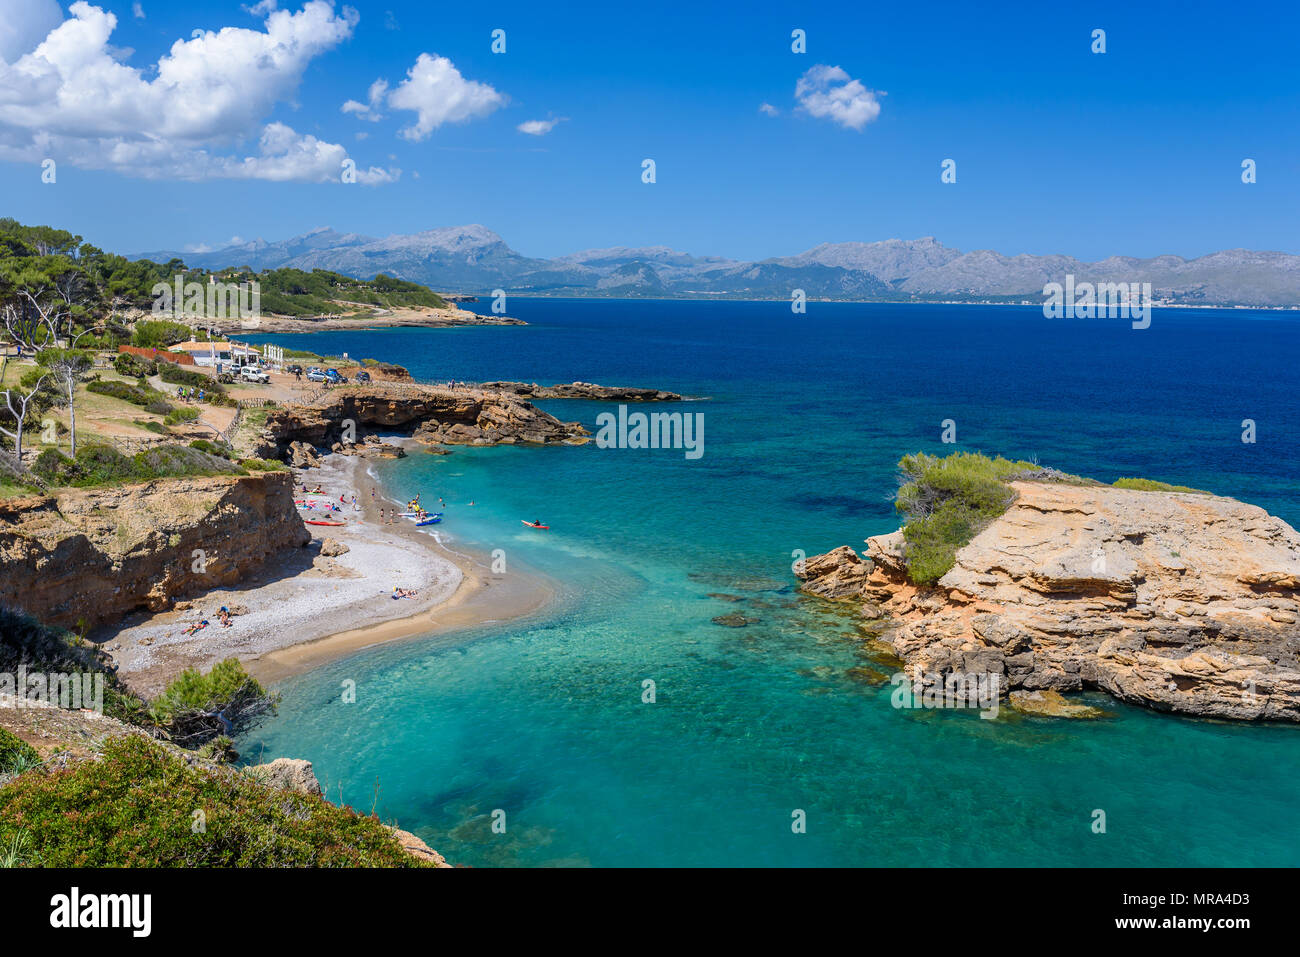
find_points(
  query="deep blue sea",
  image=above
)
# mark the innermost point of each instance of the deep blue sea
(805, 418)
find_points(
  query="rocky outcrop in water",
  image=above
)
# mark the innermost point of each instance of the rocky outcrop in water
(583, 390)
(431, 414)
(1181, 602)
(95, 555)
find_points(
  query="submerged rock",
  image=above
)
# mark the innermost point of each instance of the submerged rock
(1052, 704)
(868, 675)
(735, 620)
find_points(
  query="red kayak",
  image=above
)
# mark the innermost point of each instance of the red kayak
(531, 525)
(317, 521)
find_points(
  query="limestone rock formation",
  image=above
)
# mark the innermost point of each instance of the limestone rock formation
(332, 547)
(300, 455)
(431, 414)
(288, 774)
(837, 574)
(1182, 602)
(417, 848)
(97, 554)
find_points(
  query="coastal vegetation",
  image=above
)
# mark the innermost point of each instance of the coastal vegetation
(157, 793)
(1151, 485)
(97, 464)
(947, 501)
(15, 753)
(55, 263)
(293, 292)
(141, 804)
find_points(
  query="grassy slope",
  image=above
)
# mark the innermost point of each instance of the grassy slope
(143, 805)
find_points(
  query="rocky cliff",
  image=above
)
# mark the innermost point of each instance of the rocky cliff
(94, 555)
(432, 414)
(1185, 603)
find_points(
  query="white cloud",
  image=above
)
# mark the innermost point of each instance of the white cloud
(25, 23)
(437, 93)
(539, 127)
(74, 98)
(137, 10)
(828, 92)
(769, 110)
(374, 100)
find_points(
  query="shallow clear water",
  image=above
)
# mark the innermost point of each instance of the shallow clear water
(806, 418)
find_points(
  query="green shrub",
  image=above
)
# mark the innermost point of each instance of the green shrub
(213, 448)
(179, 375)
(198, 708)
(134, 366)
(947, 502)
(105, 465)
(135, 807)
(182, 413)
(159, 333)
(263, 465)
(1151, 485)
(55, 468)
(169, 461)
(15, 753)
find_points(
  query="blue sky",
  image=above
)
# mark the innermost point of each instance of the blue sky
(1136, 151)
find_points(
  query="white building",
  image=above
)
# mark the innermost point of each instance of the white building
(225, 355)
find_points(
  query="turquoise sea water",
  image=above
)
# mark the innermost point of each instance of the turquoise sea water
(805, 418)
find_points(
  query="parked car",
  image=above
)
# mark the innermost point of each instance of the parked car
(315, 375)
(335, 376)
(293, 370)
(253, 374)
(362, 376)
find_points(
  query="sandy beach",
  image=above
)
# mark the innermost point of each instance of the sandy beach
(306, 608)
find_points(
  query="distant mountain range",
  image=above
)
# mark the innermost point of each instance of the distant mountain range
(475, 260)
